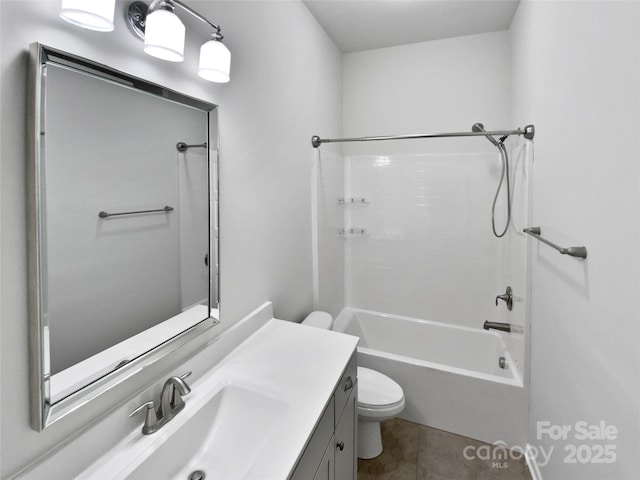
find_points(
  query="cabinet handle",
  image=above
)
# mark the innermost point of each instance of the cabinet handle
(340, 445)
(348, 384)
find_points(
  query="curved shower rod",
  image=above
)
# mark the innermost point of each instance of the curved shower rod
(528, 132)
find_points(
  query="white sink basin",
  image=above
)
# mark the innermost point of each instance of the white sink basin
(219, 440)
(217, 436)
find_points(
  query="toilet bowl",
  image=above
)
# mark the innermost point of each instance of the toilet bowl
(379, 398)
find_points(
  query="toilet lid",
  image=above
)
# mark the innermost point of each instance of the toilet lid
(376, 389)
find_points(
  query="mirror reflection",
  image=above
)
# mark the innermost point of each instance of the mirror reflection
(123, 219)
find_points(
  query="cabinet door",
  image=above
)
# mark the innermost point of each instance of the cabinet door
(345, 441)
(316, 446)
(327, 464)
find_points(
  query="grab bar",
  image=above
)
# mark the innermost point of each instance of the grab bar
(104, 214)
(535, 232)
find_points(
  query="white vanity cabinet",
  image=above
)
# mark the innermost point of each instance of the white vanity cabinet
(330, 453)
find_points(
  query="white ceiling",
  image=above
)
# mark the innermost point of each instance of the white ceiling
(356, 25)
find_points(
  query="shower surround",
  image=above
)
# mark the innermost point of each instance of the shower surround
(417, 249)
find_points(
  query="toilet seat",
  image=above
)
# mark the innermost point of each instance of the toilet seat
(377, 392)
(381, 413)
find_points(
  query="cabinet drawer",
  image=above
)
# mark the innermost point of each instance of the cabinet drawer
(315, 449)
(345, 386)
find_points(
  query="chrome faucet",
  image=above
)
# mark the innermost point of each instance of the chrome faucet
(171, 403)
(507, 297)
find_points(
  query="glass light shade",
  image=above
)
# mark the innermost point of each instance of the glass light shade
(215, 62)
(93, 15)
(164, 36)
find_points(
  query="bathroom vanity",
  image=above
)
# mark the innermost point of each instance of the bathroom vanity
(280, 405)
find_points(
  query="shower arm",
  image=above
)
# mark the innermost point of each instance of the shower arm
(528, 132)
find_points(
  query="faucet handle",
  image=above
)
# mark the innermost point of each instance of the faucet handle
(185, 375)
(507, 297)
(150, 419)
(148, 405)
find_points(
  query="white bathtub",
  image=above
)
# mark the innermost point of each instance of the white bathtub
(450, 374)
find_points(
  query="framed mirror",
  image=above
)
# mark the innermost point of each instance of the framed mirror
(122, 227)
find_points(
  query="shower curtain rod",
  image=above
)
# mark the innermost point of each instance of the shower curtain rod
(527, 131)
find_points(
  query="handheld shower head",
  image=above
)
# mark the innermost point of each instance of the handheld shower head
(478, 127)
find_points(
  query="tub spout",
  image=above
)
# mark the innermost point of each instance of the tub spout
(504, 327)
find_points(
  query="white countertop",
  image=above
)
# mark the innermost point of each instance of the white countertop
(299, 364)
(305, 364)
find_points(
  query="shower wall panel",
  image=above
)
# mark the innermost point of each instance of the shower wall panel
(428, 251)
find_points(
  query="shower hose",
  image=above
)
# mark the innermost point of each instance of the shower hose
(505, 169)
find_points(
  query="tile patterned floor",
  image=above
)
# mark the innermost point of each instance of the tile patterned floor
(415, 452)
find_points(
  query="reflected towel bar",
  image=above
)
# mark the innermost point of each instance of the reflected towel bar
(183, 147)
(165, 209)
(535, 232)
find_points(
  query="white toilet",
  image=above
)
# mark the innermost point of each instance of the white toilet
(379, 398)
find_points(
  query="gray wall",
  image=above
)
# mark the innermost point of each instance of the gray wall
(281, 93)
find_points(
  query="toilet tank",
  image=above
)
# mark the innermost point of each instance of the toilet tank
(319, 319)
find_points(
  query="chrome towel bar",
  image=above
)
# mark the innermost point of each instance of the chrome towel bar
(165, 209)
(535, 232)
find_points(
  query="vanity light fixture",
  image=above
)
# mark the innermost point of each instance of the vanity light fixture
(163, 35)
(215, 60)
(161, 29)
(94, 15)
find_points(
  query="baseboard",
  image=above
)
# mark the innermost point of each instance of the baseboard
(532, 463)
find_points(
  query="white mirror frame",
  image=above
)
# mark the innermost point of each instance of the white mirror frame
(42, 412)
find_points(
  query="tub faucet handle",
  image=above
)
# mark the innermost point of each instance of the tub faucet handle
(507, 297)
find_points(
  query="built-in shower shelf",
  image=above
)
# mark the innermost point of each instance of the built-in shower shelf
(352, 200)
(352, 231)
